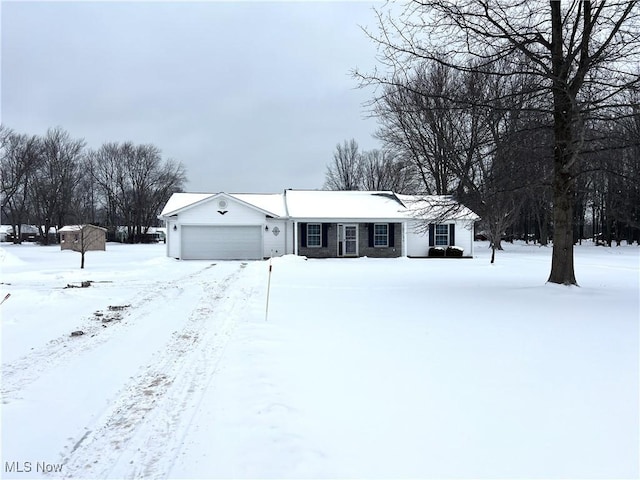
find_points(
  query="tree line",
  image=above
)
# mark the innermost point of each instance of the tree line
(526, 112)
(55, 180)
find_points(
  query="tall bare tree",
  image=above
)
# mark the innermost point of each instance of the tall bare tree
(57, 176)
(344, 172)
(369, 170)
(19, 160)
(583, 54)
(134, 182)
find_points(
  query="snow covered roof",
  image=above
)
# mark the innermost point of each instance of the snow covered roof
(77, 228)
(343, 205)
(178, 201)
(432, 207)
(347, 205)
(270, 203)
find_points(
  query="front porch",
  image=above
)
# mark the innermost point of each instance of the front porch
(349, 239)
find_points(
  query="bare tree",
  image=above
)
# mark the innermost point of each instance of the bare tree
(583, 56)
(20, 157)
(134, 183)
(369, 170)
(57, 176)
(344, 172)
(420, 124)
(382, 170)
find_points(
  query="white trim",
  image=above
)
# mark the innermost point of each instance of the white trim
(404, 239)
(342, 240)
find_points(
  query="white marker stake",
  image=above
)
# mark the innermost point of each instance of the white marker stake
(266, 312)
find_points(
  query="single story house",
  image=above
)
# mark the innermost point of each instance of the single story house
(81, 238)
(314, 223)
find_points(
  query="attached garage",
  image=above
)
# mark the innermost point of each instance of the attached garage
(222, 242)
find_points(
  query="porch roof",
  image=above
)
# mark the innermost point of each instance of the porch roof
(344, 205)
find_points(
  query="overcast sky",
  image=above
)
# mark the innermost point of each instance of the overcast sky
(250, 97)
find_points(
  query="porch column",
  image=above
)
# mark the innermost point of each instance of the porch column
(404, 239)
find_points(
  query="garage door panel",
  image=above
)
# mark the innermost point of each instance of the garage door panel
(221, 242)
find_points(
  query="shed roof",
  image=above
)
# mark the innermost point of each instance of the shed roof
(77, 228)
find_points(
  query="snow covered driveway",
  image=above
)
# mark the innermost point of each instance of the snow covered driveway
(365, 368)
(115, 401)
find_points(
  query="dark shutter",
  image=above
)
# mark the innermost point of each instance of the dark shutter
(432, 235)
(303, 234)
(452, 234)
(325, 232)
(392, 234)
(371, 229)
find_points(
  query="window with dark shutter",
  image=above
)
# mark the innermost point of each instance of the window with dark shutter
(442, 235)
(452, 234)
(314, 235)
(325, 233)
(432, 235)
(392, 234)
(303, 234)
(371, 233)
(381, 235)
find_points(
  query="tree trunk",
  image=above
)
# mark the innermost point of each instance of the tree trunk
(564, 178)
(562, 270)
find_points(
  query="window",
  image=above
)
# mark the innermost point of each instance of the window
(442, 235)
(381, 235)
(314, 237)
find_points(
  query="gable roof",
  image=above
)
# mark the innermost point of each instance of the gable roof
(269, 204)
(180, 201)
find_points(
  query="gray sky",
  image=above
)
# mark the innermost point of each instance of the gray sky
(250, 97)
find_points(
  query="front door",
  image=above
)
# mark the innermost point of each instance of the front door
(347, 240)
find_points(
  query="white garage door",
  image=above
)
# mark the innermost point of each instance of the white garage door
(221, 242)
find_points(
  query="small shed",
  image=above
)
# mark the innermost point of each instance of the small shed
(83, 238)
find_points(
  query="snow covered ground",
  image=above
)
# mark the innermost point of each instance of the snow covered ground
(364, 368)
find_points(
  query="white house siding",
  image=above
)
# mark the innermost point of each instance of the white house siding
(418, 237)
(207, 214)
(173, 239)
(275, 245)
(464, 236)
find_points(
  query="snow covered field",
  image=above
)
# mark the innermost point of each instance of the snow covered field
(365, 368)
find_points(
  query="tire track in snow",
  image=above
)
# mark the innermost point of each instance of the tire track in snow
(140, 435)
(20, 373)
